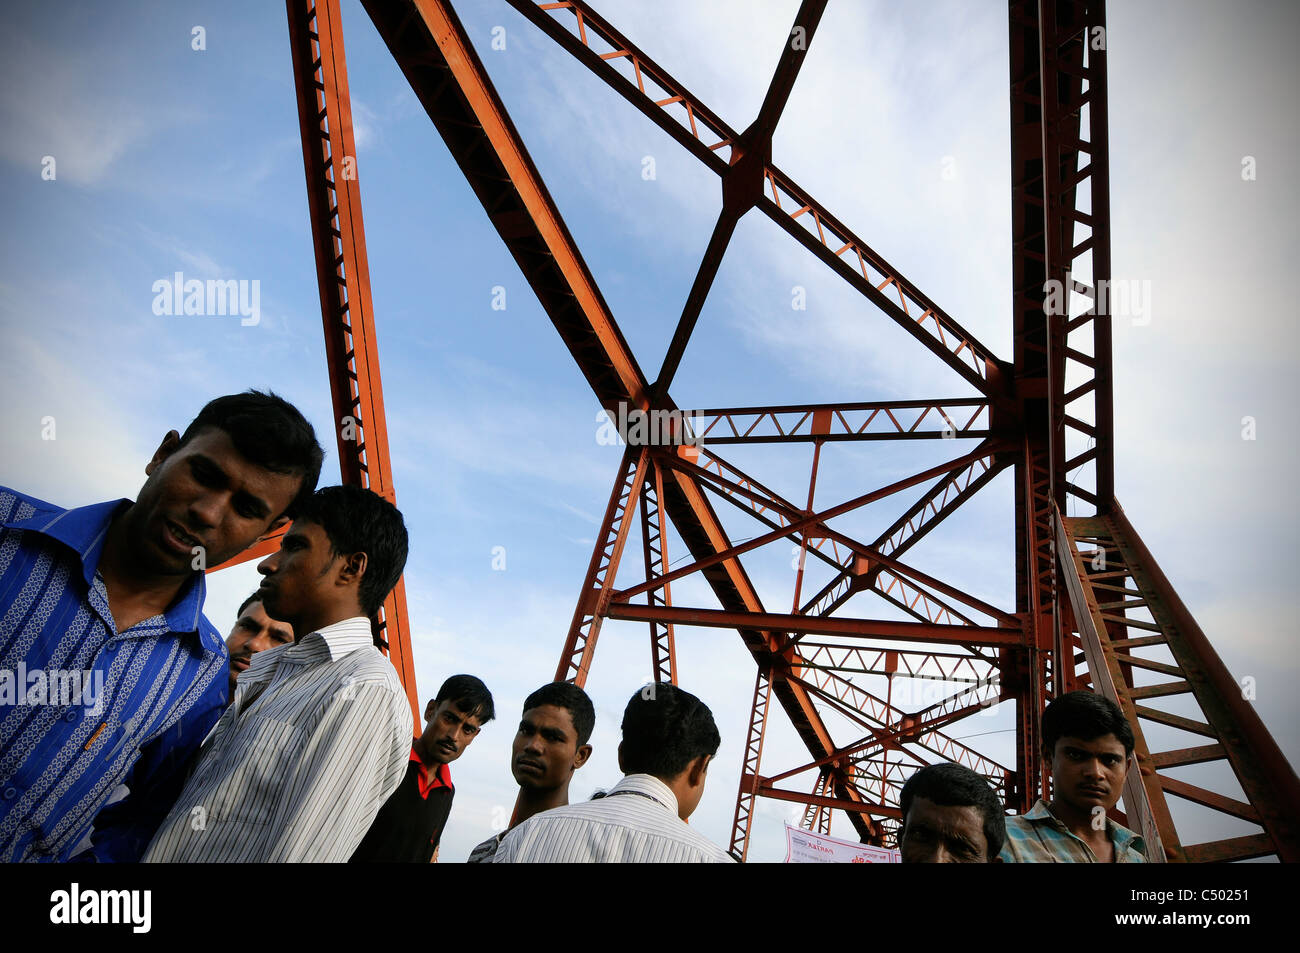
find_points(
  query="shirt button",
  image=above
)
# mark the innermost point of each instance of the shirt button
(70, 715)
(10, 793)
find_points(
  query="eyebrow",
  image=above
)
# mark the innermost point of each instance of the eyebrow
(1071, 749)
(294, 536)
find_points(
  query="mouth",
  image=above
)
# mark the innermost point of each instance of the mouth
(446, 748)
(1094, 791)
(239, 664)
(529, 765)
(178, 539)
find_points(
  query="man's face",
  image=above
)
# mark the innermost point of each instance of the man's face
(254, 632)
(546, 750)
(1087, 774)
(205, 494)
(297, 579)
(448, 731)
(943, 834)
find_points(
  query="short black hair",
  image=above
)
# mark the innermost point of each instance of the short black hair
(665, 729)
(1084, 715)
(270, 432)
(470, 695)
(955, 785)
(357, 520)
(246, 603)
(573, 699)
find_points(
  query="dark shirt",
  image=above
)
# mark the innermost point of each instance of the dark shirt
(409, 825)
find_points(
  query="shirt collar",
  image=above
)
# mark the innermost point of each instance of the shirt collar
(342, 638)
(1039, 812)
(441, 777)
(649, 785)
(1120, 836)
(83, 529)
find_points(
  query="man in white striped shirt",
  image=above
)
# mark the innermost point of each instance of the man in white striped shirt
(669, 737)
(319, 732)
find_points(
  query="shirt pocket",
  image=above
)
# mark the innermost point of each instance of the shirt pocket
(254, 763)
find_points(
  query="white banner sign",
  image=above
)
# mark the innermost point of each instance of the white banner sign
(805, 847)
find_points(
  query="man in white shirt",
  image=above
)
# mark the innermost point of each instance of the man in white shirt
(669, 737)
(319, 732)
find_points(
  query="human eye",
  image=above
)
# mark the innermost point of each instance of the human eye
(202, 471)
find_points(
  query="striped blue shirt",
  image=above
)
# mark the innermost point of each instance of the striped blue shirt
(84, 708)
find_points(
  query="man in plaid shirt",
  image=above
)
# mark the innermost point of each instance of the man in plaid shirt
(1087, 743)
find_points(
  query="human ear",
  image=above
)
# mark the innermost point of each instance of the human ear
(169, 445)
(354, 567)
(698, 768)
(584, 752)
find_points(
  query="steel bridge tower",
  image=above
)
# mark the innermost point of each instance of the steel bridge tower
(1093, 609)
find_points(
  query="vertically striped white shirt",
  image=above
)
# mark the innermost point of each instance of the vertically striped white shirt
(316, 740)
(635, 823)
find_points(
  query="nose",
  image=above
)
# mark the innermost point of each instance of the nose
(259, 643)
(205, 512)
(533, 745)
(269, 565)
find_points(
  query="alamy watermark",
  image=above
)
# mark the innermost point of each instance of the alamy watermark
(1117, 297)
(178, 295)
(56, 687)
(647, 428)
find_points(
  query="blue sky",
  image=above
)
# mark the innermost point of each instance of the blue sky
(171, 159)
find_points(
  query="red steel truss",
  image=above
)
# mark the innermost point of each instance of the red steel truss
(1092, 608)
(339, 237)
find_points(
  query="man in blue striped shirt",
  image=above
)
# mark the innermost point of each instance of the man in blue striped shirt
(109, 672)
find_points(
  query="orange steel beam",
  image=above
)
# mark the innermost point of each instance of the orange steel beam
(343, 274)
(445, 30)
(862, 807)
(707, 136)
(819, 625)
(430, 46)
(802, 523)
(265, 546)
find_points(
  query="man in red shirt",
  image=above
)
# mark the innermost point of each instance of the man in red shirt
(410, 824)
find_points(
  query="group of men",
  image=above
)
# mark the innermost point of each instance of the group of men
(130, 731)
(950, 814)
